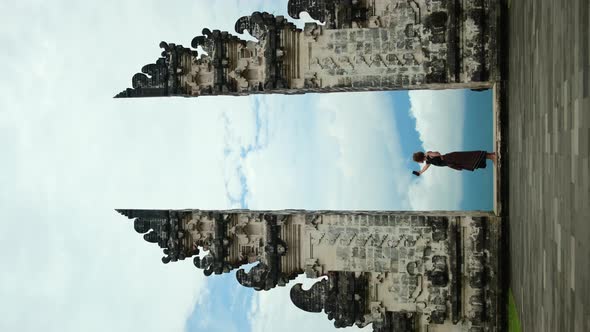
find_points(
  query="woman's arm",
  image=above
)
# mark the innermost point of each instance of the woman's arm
(424, 168)
(433, 154)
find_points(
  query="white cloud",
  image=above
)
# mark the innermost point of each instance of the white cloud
(368, 159)
(325, 153)
(440, 118)
(440, 115)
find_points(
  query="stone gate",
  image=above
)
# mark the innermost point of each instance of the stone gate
(400, 271)
(363, 45)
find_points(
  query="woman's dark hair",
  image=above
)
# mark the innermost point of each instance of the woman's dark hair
(419, 157)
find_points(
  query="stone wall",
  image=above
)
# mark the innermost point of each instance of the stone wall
(391, 269)
(362, 46)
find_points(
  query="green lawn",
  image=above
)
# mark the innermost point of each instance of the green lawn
(513, 321)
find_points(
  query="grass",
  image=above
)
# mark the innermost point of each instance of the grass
(513, 321)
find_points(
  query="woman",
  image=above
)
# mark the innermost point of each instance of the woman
(469, 160)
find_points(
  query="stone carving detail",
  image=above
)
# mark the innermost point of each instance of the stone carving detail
(260, 277)
(397, 322)
(341, 296)
(335, 14)
(396, 270)
(162, 228)
(265, 276)
(315, 9)
(261, 24)
(218, 247)
(158, 76)
(363, 45)
(162, 77)
(217, 44)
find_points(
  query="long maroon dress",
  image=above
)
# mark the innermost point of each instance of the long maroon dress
(468, 160)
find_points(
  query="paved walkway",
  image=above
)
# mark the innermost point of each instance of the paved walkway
(547, 163)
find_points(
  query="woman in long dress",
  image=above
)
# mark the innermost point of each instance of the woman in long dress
(463, 160)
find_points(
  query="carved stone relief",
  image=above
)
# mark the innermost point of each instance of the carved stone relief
(390, 269)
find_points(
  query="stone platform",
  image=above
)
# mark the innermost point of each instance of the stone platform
(546, 162)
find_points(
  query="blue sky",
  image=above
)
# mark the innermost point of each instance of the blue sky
(477, 135)
(71, 154)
